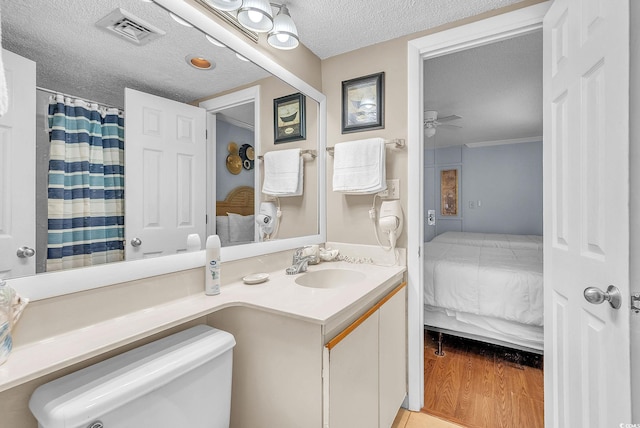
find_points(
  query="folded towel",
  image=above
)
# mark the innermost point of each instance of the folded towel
(359, 166)
(283, 173)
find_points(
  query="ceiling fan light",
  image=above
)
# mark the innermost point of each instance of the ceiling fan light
(430, 132)
(226, 5)
(284, 34)
(256, 15)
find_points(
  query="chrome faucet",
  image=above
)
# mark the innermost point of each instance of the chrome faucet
(300, 263)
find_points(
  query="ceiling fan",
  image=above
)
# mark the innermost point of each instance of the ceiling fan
(431, 122)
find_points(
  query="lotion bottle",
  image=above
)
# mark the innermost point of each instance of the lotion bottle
(212, 266)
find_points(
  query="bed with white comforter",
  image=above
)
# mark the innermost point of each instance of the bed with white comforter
(486, 285)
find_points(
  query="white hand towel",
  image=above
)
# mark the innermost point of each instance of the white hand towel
(359, 166)
(283, 173)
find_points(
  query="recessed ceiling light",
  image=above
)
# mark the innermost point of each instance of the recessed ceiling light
(199, 62)
(214, 41)
(180, 20)
(240, 57)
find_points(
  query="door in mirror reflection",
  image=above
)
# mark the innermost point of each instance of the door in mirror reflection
(235, 168)
(17, 169)
(164, 175)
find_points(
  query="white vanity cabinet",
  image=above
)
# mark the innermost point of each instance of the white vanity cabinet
(285, 376)
(365, 367)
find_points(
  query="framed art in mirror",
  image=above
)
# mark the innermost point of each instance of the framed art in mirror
(363, 103)
(449, 192)
(289, 121)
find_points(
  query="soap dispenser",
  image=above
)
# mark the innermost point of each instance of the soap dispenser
(212, 266)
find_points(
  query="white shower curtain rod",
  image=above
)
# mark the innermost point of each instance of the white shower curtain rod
(51, 91)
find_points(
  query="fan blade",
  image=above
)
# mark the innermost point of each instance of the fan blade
(449, 118)
(450, 126)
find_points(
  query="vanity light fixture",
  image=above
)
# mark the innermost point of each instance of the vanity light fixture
(257, 15)
(284, 34)
(226, 5)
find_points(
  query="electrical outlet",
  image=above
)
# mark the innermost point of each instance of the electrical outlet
(392, 191)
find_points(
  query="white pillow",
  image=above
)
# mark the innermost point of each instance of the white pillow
(241, 228)
(222, 229)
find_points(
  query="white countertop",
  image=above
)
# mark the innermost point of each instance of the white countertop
(280, 294)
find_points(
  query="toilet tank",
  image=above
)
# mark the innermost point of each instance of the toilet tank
(183, 380)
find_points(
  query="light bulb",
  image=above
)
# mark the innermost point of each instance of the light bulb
(255, 16)
(283, 38)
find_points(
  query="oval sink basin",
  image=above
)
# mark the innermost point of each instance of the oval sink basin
(329, 278)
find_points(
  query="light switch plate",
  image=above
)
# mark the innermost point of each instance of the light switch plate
(392, 191)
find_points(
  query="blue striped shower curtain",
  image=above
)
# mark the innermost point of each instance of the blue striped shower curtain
(86, 184)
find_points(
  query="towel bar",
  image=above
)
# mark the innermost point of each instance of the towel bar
(398, 142)
(309, 152)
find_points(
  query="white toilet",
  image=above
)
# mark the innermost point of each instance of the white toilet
(183, 380)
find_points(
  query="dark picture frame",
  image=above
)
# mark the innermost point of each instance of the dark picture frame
(289, 120)
(449, 192)
(363, 103)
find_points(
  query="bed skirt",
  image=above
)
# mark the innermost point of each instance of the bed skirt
(492, 330)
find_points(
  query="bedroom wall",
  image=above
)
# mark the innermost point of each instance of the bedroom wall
(506, 179)
(225, 180)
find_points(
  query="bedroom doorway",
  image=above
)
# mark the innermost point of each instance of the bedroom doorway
(586, 159)
(233, 127)
(451, 162)
(483, 233)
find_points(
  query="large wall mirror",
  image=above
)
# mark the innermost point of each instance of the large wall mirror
(171, 198)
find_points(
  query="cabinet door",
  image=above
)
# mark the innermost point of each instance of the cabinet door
(353, 381)
(392, 357)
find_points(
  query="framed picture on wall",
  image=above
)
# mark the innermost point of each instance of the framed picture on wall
(289, 121)
(449, 192)
(363, 103)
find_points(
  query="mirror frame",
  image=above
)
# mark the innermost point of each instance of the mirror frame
(47, 285)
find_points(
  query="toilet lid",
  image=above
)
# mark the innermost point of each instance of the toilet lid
(74, 399)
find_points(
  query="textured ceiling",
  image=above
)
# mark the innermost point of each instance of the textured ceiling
(332, 27)
(75, 57)
(496, 89)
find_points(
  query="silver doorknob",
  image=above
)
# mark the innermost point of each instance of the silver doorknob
(136, 242)
(596, 296)
(24, 252)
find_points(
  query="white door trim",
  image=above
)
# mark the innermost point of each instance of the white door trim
(213, 106)
(479, 33)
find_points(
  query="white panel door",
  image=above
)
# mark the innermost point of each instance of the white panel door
(165, 174)
(586, 231)
(18, 167)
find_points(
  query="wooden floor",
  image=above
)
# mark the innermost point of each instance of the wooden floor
(483, 386)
